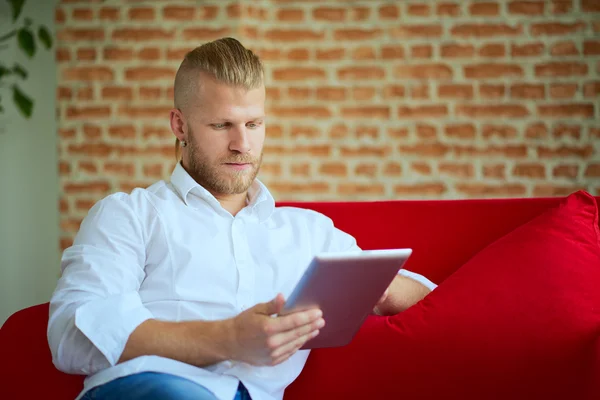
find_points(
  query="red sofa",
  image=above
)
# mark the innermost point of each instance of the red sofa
(444, 234)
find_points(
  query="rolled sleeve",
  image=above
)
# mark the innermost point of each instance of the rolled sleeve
(419, 278)
(107, 323)
(96, 304)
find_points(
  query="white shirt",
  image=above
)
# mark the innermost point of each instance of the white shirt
(171, 252)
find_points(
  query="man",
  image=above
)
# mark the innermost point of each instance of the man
(171, 292)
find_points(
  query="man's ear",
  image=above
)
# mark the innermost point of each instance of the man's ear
(178, 124)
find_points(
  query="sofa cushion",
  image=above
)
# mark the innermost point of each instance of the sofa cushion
(519, 320)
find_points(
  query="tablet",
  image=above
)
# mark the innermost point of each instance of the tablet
(346, 287)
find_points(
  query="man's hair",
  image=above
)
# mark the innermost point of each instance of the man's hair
(226, 60)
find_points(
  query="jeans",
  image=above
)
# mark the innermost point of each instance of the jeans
(155, 386)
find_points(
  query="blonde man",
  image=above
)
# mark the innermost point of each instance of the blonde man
(169, 292)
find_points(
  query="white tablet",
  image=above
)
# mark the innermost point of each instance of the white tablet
(346, 287)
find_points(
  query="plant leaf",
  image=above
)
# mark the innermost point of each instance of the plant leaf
(44, 36)
(26, 41)
(17, 7)
(19, 70)
(4, 71)
(23, 102)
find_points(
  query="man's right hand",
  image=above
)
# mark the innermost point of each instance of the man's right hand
(260, 339)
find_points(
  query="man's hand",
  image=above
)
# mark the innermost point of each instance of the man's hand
(260, 339)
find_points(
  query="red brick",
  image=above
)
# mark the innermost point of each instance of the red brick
(592, 171)
(334, 169)
(357, 34)
(179, 13)
(205, 33)
(456, 91)
(527, 49)
(529, 170)
(421, 51)
(492, 110)
(590, 6)
(149, 73)
(460, 131)
(428, 111)
(330, 54)
(482, 189)
(500, 131)
(118, 54)
(305, 131)
(141, 14)
(331, 93)
(359, 73)
(419, 10)
(591, 47)
(59, 16)
(299, 93)
(293, 35)
(565, 151)
(459, 170)
(394, 91)
(298, 73)
(564, 49)
(144, 34)
(62, 54)
(83, 14)
(290, 15)
(485, 30)
(425, 131)
(591, 89)
(144, 111)
(448, 9)
(561, 69)
(301, 111)
(565, 171)
(494, 171)
(64, 93)
(547, 190)
(416, 31)
(562, 130)
(562, 6)
(122, 131)
(363, 93)
(492, 50)
(421, 168)
(80, 34)
(526, 7)
(149, 54)
(119, 168)
(366, 112)
(434, 150)
(457, 50)
(109, 13)
(484, 9)
(583, 110)
(527, 91)
(117, 93)
(332, 14)
(492, 70)
(563, 90)
(92, 112)
(537, 130)
(349, 189)
(392, 169)
(298, 54)
(389, 11)
(555, 28)
(423, 71)
(492, 91)
(363, 53)
(392, 52)
(434, 189)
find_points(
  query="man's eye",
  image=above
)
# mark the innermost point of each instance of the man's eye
(219, 126)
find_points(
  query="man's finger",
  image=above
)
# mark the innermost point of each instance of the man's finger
(293, 321)
(287, 350)
(286, 337)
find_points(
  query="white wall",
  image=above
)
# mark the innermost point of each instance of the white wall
(29, 248)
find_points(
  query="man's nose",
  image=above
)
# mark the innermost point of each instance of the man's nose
(239, 140)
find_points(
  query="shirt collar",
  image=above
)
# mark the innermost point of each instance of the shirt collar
(259, 198)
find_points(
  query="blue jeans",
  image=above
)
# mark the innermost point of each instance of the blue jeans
(155, 386)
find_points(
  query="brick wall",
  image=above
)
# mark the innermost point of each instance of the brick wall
(367, 99)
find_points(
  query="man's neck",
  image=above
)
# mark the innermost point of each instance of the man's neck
(232, 203)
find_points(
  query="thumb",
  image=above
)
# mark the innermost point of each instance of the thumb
(274, 306)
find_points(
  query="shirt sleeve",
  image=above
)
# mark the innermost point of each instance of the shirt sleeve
(342, 241)
(96, 304)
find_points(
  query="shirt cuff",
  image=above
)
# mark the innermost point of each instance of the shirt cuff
(419, 278)
(108, 322)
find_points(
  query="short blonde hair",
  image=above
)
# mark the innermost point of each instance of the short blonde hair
(226, 60)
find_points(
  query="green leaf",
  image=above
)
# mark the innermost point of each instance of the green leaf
(23, 102)
(17, 7)
(4, 71)
(28, 22)
(26, 41)
(44, 36)
(19, 70)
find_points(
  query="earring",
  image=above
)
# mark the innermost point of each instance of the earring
(183, 143)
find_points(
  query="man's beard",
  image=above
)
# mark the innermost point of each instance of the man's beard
(215, 178)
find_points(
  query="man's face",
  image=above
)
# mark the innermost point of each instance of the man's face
(225, 135)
